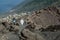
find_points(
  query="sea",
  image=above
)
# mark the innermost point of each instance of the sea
(6, 5)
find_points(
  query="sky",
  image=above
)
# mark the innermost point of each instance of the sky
(6, 5)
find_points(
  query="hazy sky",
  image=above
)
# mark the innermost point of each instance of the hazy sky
(6, 5)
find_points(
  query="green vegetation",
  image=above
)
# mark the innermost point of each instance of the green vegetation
(33, 5)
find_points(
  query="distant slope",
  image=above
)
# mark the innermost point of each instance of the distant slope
(33, 5)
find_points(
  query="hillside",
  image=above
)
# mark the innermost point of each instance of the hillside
(33, 5)
(42, 24)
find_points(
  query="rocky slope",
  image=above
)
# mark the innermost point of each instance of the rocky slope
(42, 24)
